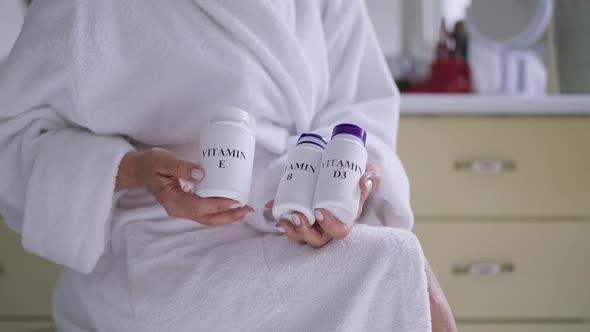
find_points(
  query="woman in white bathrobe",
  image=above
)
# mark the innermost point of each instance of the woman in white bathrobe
(101, 107)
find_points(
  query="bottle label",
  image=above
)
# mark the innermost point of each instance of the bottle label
(298, 181)
(227, 156)
(343, 168)
(343, 164)
(303, 167)
(223, 152)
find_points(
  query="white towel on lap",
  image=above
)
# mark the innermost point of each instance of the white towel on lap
(89, 81)
(372, 281)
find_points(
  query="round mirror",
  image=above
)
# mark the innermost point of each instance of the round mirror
(511, 23)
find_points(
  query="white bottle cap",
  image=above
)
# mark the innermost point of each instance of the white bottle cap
(232, 114)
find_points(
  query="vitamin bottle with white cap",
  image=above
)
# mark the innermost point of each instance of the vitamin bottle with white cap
(342, 166)
(226, 153)
(298, 182)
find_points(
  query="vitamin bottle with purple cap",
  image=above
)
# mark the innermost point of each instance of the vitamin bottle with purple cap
(298, 182)
(342, 166)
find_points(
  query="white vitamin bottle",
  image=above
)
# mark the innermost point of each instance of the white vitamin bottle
(343, 164)
(226, 153)
(296, 188)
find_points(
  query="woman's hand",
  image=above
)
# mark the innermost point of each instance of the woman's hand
(160, 173)
(328, 226)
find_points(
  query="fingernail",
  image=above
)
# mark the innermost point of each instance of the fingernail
(369, 185)
(197, 174)
(281, 229)
(235, 205)
(296, 220)
(319, 215)
(249, 214)
(186, 186)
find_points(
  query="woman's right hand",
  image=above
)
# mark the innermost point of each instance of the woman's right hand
(159, 172)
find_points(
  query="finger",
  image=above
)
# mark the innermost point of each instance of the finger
(331, 225)
(322, 232)
(360, 209)
(367, 186)
(370, 181)
(183, 170)
(366, 183)
(213, 205)
(177, 203)
(310, 235)
(180, 204)
(289, 230)
(227, 217)
(269, 204)
(373, 172)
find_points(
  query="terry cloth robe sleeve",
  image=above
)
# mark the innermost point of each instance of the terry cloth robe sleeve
(362, 92)
(57, 180)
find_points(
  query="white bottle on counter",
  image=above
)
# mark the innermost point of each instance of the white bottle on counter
(226, 153)
(343, 164)
(298, 182)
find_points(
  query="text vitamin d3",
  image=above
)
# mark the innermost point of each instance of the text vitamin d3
(342, 166)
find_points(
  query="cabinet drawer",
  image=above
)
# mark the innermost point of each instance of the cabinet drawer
(497, 166)
(511, 270)
(26, 327)
(26, 281)
(523, 327)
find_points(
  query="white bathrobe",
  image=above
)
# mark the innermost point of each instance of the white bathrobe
(89, 81)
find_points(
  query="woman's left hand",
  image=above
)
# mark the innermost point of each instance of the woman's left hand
(328, 226)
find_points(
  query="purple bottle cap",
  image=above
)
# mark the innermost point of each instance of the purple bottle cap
(350, 129)
(311, 138)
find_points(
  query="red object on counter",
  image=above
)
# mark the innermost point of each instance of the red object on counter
(447, 75)
(450, 72)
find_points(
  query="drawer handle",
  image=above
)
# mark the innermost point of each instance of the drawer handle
(489, 166)
(2, 270)
(483, 269)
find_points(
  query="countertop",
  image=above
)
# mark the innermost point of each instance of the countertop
(447, 104)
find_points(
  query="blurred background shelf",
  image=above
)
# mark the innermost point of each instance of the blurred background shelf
(493, 105)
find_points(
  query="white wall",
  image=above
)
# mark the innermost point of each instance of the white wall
(387, 16)
(407, 27)
(454, 10)
(11, 19)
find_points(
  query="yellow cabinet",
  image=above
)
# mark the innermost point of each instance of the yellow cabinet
(511, 269)
(497, 166)
(26, 327)
(26, 281)
(502, 207)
